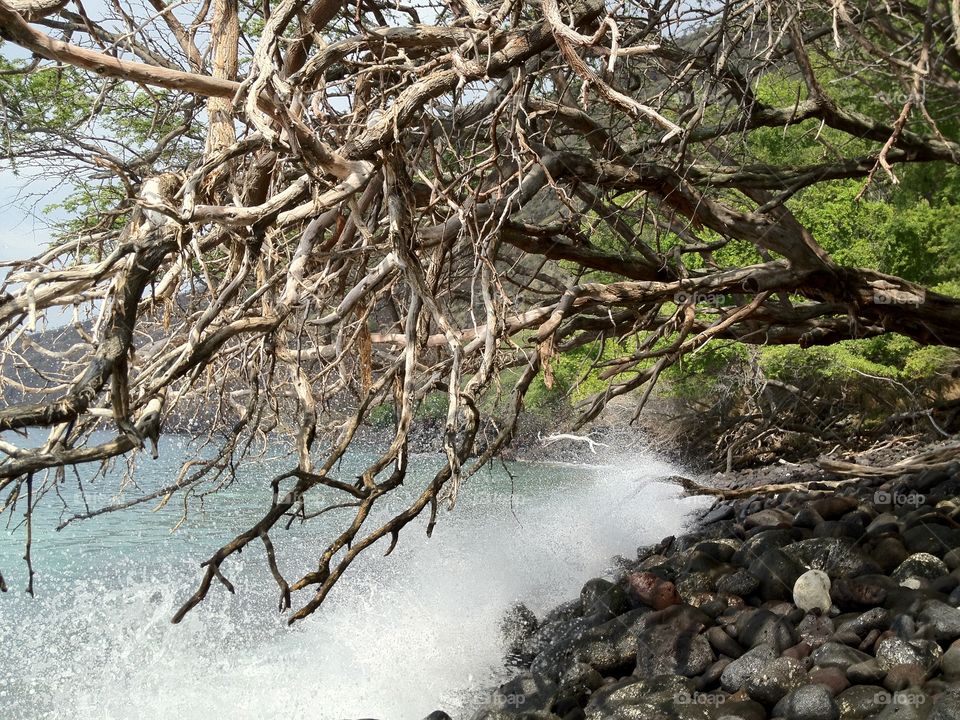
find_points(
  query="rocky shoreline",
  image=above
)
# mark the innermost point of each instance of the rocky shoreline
(821, 604)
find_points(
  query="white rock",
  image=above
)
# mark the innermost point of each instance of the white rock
(811, 591)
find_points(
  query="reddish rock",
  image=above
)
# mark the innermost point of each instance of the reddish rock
(832, 678)
(799, 651)
(651, 590)
(833, 506)
(769, 518)
(901, 677)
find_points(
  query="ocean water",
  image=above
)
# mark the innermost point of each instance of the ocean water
(397, 638)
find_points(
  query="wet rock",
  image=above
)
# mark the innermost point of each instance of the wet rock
(857, 593)
(610, 647)
(811, 591)
(756, 627)
(738, 672)
(867, 672)
(761, 542)
(933, 539)
(833, 507)
(952, 559)
(576, 685)
(600, 597)
(836, 655)
(528, 692)
(897, 651)
(438, 715)
(950, 664)
(875, 619)
(907, 705)
(647, 588)
(517, 628)
(862, 701)
(901, 677)
(837, 557)
(815, 630)
(775, 680)
(807, 518)
(711, 676)
(944, 619)
(832, 678)
(923, 566)
(740, 583)
(770, 518)
(777, 572)
(883, 524)
(694, 585)
(723, 644)
(811, 702)
(669, 642)
(888, 553)
(720, 512)
(947, 706)
(637, 699)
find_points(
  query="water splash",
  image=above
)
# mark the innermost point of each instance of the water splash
(398, 638)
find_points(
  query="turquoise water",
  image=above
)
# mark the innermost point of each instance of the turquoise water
(398, 637)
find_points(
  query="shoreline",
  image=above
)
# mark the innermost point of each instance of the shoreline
(812, 604)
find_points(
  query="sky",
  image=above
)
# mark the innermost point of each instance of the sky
(23, 230)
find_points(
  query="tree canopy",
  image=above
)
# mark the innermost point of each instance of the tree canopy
(298, 215)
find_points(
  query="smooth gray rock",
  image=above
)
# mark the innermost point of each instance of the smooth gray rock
(874, 619)
(867, 672)
(833, 654)
(737, 673)
(756, 627)
(775, 680)
(944, 619)
(811, 702)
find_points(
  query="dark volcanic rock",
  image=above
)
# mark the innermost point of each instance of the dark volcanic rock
(837, 557)
(934, 539)
(944, 619)
(923, 566)
(610, 647)
(857, 593)
(669, 642)
(656, 698)
(762, 626)
(777, 572)
(740, 583)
